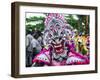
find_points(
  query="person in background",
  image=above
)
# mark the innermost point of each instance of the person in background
(29, 52)
(40, 39)
(36, 47)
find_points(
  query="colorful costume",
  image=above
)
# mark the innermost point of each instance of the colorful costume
(59, 37)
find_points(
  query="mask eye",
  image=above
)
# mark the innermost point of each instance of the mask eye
(60, 38)
(53, 41)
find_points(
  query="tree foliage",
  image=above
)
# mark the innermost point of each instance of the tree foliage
(81, 24)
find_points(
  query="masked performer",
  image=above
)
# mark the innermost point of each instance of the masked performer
(59, 44)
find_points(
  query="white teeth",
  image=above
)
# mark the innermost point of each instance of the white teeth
(58, 46)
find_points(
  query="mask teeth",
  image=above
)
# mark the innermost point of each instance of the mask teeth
(58, 46)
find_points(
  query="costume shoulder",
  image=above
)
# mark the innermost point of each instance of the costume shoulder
(43, 56)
